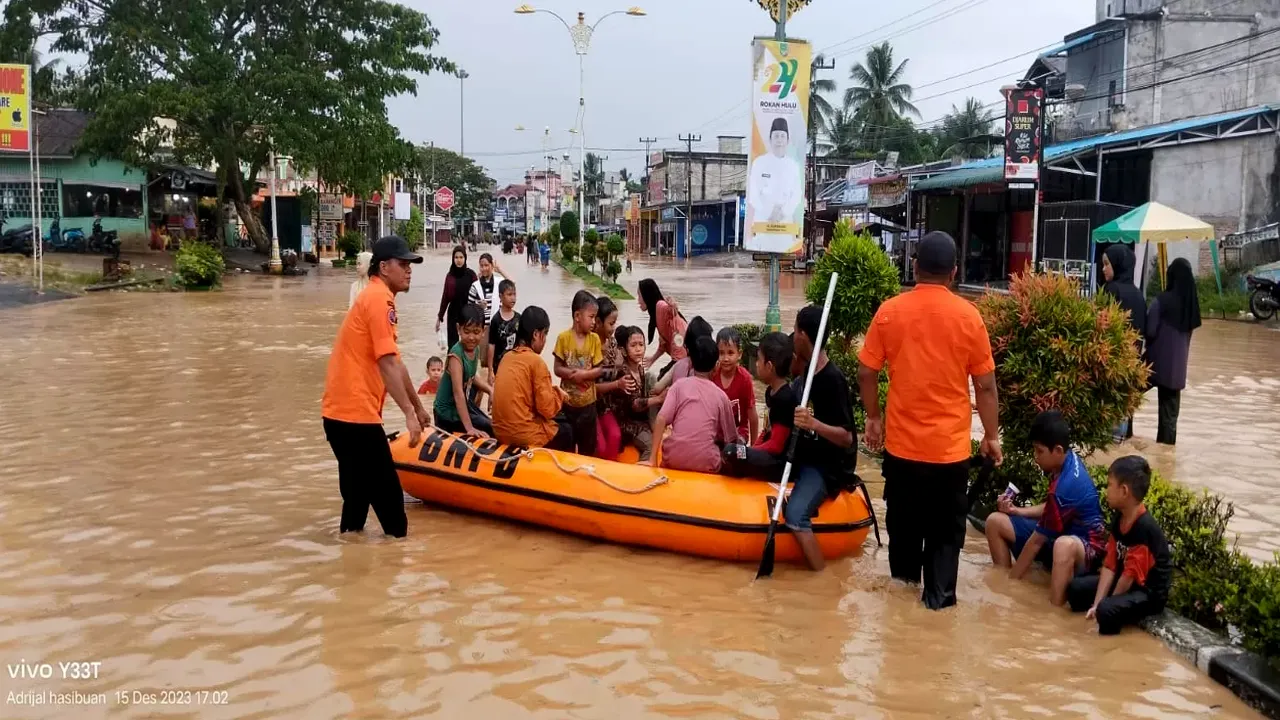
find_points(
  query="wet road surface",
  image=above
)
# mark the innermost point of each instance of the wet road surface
(171, 508)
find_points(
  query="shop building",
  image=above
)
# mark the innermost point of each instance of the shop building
(698, 200)
(73, 187)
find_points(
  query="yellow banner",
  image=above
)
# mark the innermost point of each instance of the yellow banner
(15, 108)
(779, 126)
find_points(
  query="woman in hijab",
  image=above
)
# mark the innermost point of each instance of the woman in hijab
(1173, 316)
(362, 277)
(457, 286)
(666, 320)
(1117, 271)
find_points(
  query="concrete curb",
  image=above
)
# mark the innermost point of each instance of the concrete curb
(1246, 674)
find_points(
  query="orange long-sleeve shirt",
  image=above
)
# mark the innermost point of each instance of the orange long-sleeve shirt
(524, 400)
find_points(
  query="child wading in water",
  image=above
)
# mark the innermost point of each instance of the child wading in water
(453, 412)
(579, 354)
(632, 407)
(435, 368)
(1138, 567)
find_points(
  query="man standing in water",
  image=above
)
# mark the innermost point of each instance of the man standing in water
(933, 342)
(364, 367)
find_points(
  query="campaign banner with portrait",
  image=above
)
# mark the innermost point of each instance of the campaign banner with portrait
(779, 112)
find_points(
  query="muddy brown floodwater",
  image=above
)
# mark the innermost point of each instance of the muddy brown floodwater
(170, 511)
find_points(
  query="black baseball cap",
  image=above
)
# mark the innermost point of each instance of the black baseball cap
(393, 247)
(936, 253)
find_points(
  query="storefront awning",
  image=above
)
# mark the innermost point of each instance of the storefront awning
(963, 177)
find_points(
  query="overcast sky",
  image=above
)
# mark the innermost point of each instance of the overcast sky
(685, 67)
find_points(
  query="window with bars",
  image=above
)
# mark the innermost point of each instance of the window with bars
(15, 199)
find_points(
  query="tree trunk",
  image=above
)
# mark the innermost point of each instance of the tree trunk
(261, 241)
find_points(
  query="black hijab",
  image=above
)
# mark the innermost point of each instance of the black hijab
(1180, 303)
(1121, 286)
(651, 295)
(462, 276)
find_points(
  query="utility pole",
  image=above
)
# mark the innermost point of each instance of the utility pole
(688, 141)
(813, 164)
(462, 112)
(647, 141)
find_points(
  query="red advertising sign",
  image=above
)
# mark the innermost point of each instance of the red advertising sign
(1023, 140)
(444, 198)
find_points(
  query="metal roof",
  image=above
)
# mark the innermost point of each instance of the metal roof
(1068, 45)
(973, 173)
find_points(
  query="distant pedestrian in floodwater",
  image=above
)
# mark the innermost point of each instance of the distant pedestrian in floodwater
(362, 277)
(664, 319)
(454, 297)
(1174, 315)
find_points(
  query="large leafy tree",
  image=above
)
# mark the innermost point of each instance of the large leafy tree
(221, 82)
(842, 132)
(436, 167)
(962, 130)
(879, 95)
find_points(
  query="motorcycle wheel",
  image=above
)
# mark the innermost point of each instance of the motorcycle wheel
(1258, 306)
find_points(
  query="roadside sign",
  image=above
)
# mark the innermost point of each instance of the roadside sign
(15, 108)
(444, 198)
(330, 206)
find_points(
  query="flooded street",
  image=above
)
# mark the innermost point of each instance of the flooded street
(170, 510)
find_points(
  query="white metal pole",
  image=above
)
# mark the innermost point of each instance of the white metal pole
(582, 147)
(274, 264)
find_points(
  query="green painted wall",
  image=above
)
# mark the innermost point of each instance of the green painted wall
(73, 171)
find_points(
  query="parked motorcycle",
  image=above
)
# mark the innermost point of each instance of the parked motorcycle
(1264, 297)
(101, 241)
(15, 239)
(70, 240)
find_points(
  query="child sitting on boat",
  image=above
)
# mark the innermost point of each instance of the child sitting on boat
(683, 367)
(1066, 532)
(454, 413)
(579, 355)
(435, 368)
(632, 408)
(699, 415)
(612, 382)
(526, 405)
(736, 383)
(765, 459)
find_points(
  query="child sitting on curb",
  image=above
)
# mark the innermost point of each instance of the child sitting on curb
(1066, 532)
(1138, 566)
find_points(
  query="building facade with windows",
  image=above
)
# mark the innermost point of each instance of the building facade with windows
(74, 188)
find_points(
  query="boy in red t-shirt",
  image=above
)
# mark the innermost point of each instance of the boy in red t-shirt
(736, 382)
(435, 368)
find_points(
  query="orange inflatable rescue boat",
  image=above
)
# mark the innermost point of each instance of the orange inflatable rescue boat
(684, 512)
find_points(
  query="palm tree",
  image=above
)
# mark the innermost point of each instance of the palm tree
(963, 128)
(879, 96)
(842, 130)
(820, 109)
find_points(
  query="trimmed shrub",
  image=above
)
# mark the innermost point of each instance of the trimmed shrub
(591, 237)
(1255, 612)
(601, 253)
(412, 229)
(569, 228)
(553, 233)
(612, 270)
(569, 251)
(867, 278)
(199, 265)
(350, 243)
(616, 244)
(1056, 349)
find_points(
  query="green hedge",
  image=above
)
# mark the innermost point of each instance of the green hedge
(1213, 583)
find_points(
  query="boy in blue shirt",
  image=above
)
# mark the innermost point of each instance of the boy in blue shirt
(1066, 533)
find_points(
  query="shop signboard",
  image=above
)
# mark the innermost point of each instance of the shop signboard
(1023, 139)
(401, 205)
(15, 108)
(887, 194)
(779, 113)
(330, 206)
(855, 193)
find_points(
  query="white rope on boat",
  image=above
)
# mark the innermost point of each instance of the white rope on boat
(586, 468)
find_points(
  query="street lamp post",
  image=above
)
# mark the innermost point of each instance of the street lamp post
(581, 34)
(275, 265)
(462, 112)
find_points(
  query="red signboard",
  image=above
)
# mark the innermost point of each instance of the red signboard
(1023, 142)
(444, 198)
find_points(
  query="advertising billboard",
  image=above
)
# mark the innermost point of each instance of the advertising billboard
(779, 113)
(15, 108)
(1023, 142)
